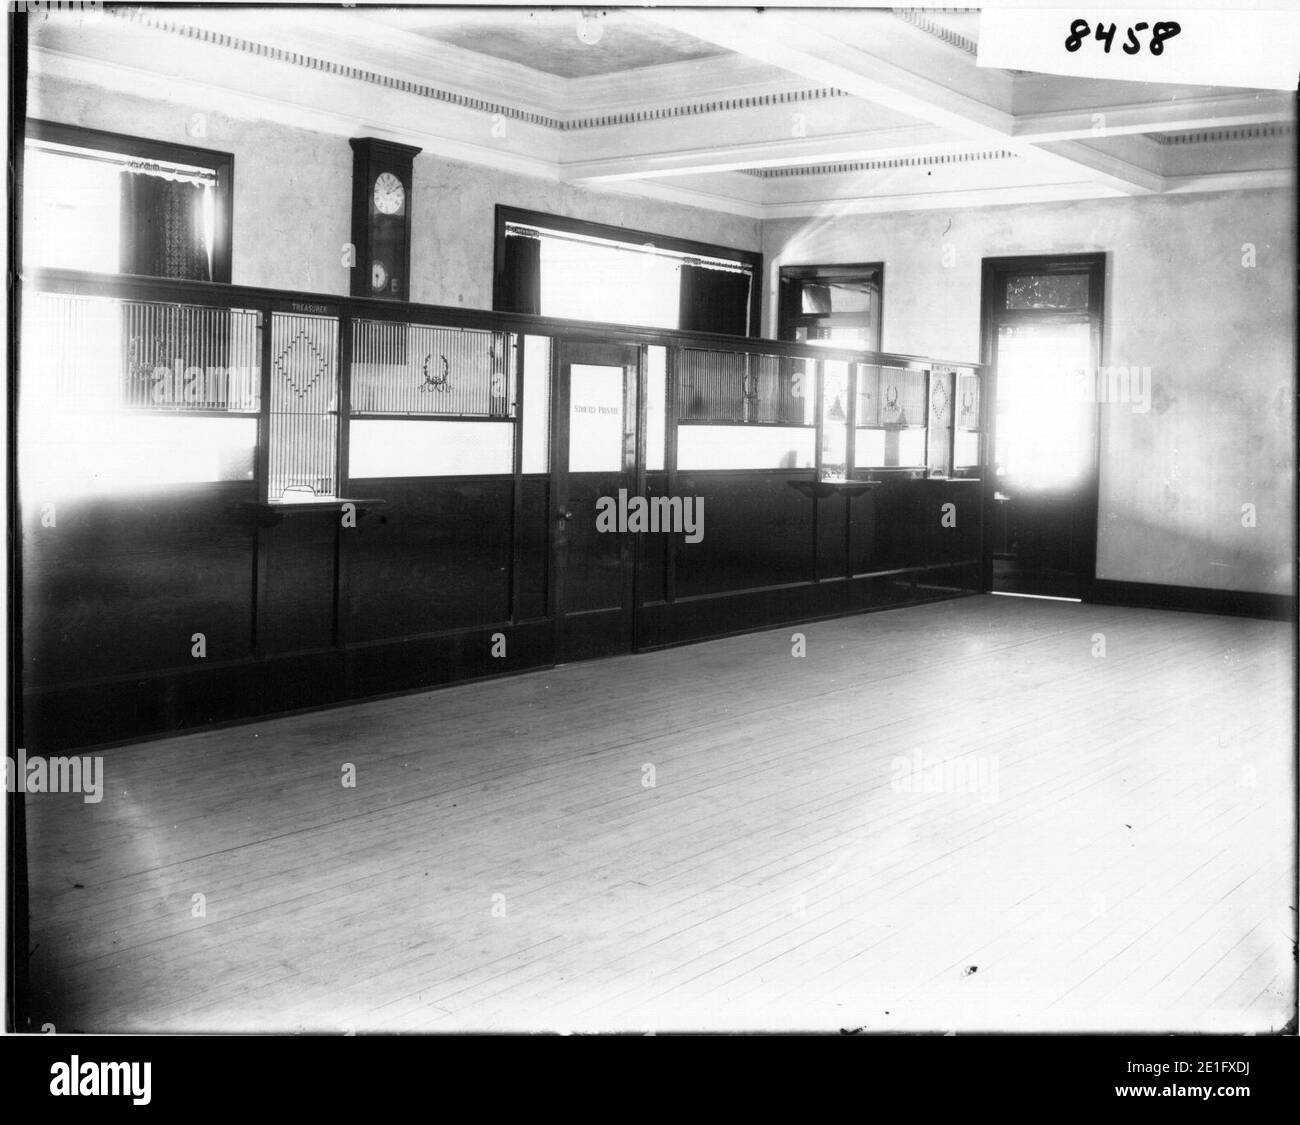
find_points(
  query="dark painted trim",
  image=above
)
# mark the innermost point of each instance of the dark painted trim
(787, 320)
(1194, 599)
(18, 1013)
(131, 287)
(993, 312)
(740, 612)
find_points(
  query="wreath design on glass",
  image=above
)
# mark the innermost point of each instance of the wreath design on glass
(139, 361)
(967, 405)
(437, 383)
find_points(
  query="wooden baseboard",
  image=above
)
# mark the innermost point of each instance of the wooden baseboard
(1194, 599)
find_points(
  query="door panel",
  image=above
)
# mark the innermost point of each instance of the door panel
(595, 457)
(1042, 334)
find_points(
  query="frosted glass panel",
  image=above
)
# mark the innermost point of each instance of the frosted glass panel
(966, 449)
(396, 448)
(537, 404)
(745, 447)
(80, 455)
(111, 393)
(889, 449)
(835, 419)
(596, 431)
(1045, 430)
(656, 407)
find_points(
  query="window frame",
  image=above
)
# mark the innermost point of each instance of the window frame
(145, 148)
(506, 215)
(789, 283)
(912, 468)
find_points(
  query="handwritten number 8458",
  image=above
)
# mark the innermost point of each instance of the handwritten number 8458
(1081, 29)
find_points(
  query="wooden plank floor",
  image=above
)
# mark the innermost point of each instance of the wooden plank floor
(1107, 847)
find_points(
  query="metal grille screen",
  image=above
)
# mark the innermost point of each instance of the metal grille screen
(123, 396)
(415, 369)
(726, 387)
(103, 354)
(304, 407)
(189, 357)
(891, 396)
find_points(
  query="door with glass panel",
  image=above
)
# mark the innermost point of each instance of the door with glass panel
(1042, 334)
(594, 475)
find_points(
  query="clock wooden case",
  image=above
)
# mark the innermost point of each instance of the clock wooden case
(381, 218)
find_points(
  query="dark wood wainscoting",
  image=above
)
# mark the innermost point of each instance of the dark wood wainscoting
(449, 578)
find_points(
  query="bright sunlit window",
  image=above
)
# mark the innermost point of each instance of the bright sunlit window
(71, 212)
(577, 270)
(586, 280)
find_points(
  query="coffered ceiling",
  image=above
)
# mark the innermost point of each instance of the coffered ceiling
(769, 113)
(546, 39)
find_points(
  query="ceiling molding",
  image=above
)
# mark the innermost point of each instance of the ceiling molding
(690, 197)
(321, 114)
(1257, 180)
(748, 156)
(1166, 115)
(1239, 133)
(1108, 167)
(718, 105)
(697, 80)
(881, 165)
(358, 74)
(932, 201)
(1008, 196)
(782, 39)
(721, 138)
(532, 116)
(918, 19)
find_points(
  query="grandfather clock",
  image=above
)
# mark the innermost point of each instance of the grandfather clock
(381, 218)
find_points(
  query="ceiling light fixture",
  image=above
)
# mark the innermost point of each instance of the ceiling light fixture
(590, 28)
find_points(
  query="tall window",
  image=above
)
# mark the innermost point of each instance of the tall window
(585, 271)
(115, 204)
(838, 306)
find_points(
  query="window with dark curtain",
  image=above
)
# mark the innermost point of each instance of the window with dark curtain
(162, 228)
(163, 236)
(521, 283)
(714, 300)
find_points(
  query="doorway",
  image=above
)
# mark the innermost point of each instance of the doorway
(1041, 336)
(595, 427)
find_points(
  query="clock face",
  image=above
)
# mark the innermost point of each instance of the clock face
(389, 194)
(378, 276)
